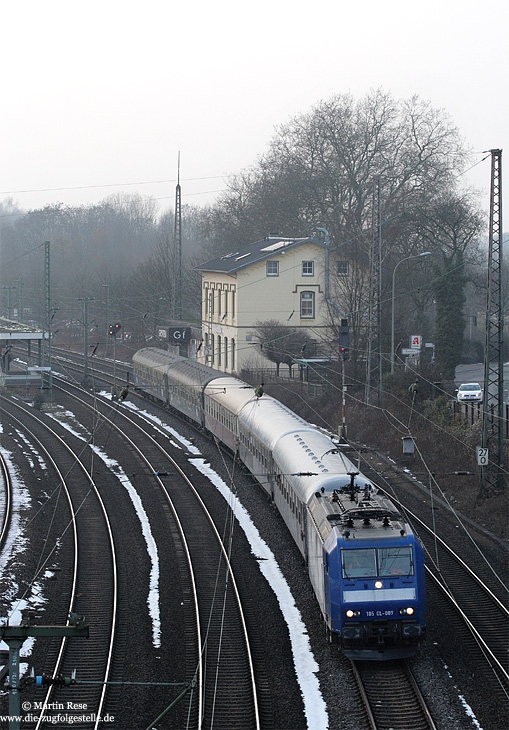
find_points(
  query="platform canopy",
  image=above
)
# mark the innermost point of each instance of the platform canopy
(12, 330)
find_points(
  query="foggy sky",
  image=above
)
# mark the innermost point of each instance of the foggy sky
(102, 96)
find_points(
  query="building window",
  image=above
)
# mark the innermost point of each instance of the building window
(225, 353)
(219, 350)
(308, 268)
(272, 268)
(219, 297)
(307, 304)
(233, 304)
(206, 302)
(212, 345)
(342, 268)
(233, 354)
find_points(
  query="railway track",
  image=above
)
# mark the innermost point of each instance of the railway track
(221, 665)
(481, 608)
(391, 697)
(90, 562)
(471, 631)
(6, 500)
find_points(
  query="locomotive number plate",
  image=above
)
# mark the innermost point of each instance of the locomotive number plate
(379, 614)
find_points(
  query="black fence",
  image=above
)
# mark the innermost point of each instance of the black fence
(473, 412)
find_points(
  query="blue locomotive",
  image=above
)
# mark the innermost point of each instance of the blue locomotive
(364, 562)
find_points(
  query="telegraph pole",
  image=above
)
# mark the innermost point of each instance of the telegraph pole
(493, 407)
(46, 342)
(107, 287)
(344, 346)
(374, 349)
(85, 300)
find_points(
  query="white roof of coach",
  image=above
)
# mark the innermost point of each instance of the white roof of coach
(311, 452)
(268, 420)
(234, 393)
(155, 358)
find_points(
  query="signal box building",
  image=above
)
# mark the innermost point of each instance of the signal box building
(281, 279)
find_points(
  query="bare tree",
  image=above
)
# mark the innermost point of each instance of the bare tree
(282, 344)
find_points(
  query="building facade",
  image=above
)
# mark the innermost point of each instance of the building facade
(277, 278)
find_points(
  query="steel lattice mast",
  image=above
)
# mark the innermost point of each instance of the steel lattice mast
(493, 436)
(177, 252)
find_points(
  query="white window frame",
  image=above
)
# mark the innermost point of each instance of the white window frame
(310, 266)
(272, 268)
(307, 304)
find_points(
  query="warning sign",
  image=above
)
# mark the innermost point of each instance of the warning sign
(416, 342)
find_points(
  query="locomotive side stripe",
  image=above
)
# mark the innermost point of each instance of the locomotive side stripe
(377, 596)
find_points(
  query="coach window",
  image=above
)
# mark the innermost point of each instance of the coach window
(308, 268)
(307, 305)
(272, 268)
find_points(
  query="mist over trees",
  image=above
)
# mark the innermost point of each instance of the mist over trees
(112, 253)
(318, 171)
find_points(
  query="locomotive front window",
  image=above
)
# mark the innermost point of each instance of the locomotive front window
(395, 561)
(359, 563)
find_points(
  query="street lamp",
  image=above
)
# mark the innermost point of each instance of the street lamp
(415, 256)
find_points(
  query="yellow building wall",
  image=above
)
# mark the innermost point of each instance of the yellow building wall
(259, 297)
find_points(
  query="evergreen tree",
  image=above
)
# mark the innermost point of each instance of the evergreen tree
(448, 288)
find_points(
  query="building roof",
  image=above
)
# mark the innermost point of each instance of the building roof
(253, 253)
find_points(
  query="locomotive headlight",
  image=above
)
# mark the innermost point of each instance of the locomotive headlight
(352, 614)
(406, 611)
(379, 584)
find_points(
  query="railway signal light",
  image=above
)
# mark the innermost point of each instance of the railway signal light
(344, 339)
(113, 329)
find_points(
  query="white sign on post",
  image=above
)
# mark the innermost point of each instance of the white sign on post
(482, 455)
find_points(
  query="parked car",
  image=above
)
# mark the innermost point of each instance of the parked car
(469, 393)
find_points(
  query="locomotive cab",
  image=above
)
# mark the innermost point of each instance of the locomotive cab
(373, 574)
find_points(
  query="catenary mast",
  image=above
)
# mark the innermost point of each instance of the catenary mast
(177, 251)
(492, 433)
